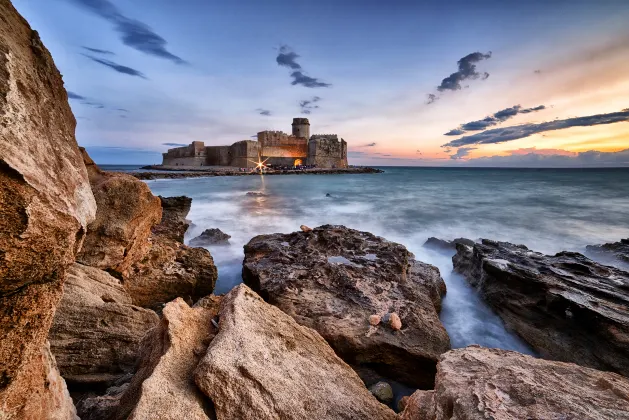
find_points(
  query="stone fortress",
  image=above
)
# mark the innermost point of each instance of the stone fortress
(276, 148)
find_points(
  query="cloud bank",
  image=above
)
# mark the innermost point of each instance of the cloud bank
(288, 58)
(549, 158)
(495, 119)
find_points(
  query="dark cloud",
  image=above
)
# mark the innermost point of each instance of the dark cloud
(495, 119)
(431, 98)
(370, 145)
(72, 95)
(133, 33)
(264, 112)
(117, 67)
(462, 153)
(93, 104)
(122, 110)
(174, 144)
(499, 135)
(288, 58)
(97, 51)
(308, 105)
(467, 70)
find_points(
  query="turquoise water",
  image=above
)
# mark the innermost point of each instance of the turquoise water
(547, 210)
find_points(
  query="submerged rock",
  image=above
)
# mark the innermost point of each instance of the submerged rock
(256, 194)
(263, 365)
(442, 244)
(382, 391)
(334, 280)
(211, 237)
(96, 331)
(612, 252)
(45, 206)
(566, 306)
(174, 223)
(477, 383)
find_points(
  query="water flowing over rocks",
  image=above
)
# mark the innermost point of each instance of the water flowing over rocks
(96, 331)
(263, 365)
(45, 207)
(612, 252)
(127, 210)
(333, 279)
(211, 237)
(566, 306)
(477, 383)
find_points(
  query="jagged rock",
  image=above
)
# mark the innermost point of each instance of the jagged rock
(382, 391)
(263, 365)
(566, 306)
(45, 207)
(256, 194)
(442, 244)
(477, 383)
(612, 252)
(96, 331)
(127, 210)
(174, 223)
(211, 237)
(305, 228)
(334, 278)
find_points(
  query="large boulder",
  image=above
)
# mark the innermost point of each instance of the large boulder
(174, 223)
(211, 237)
(96, 332)
(566, 306)
(354, 288)
(615, 252)
(127, 210)
(263, 365)
(477, 383)
(45, 206)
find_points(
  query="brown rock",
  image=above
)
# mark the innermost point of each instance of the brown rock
(305, 228)
(263, 365)
(211, 237)
(566, 306)
(96, 331)
(334, 278)
(374, 320)
(395, 322)
(476, 383)
(45, 207)
(127, 210)
(174, 211)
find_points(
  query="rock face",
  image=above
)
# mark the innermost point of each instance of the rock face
(211, 237)
(476, 383)
(127, 210)
(174, 211)
(442, 244)
(565, 306)
(45, 207)
(263, 365)
(96, 331)
(616, 251)
(333, 279)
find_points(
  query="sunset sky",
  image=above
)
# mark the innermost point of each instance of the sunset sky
(526, 83)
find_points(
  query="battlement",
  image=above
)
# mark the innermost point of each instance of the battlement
(324, 136)
(301, 121)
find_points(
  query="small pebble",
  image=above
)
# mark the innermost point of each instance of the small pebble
(395, 322)
(374, 320)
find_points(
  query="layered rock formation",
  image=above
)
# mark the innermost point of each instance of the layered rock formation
(127, 210)
(96, 331)
(45, 207)
(565, 306)
(476, 383)
(333, 279)
(612, 252)
(263, 365)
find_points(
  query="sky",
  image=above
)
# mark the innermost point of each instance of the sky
(428, 83)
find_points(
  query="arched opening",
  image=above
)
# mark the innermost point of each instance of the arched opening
(298, 162)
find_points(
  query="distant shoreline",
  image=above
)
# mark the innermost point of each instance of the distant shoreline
(179, 173)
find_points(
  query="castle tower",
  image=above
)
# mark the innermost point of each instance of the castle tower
(301, 127)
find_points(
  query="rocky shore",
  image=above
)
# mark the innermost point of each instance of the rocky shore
(183, 173)
(106, 314)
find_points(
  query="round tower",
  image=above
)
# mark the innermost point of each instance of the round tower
(301, 127)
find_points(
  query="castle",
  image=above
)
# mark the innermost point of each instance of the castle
(276, 148)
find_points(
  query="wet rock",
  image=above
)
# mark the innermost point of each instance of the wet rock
(45, 206)
(174, 223)
(442, 244)
(263, 365)
(382, 391)
(480, 383)
(96, 331)
(616, 252)
(127, 210)
(566, 306)
(211, 237)
(334, 279)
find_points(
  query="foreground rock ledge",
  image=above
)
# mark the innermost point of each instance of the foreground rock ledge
(566, 306)
(477, 383)
(263, 365)
(333, 279)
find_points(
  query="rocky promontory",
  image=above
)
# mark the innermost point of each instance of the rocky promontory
(174, 173)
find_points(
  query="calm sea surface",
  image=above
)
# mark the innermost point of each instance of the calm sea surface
(546, 209)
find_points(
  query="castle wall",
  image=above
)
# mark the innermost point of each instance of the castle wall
(218, 155)
(276, 144)
(193, 154)
(244, 154)
(301, 127)
(326, 151)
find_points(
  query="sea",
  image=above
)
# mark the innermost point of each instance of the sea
(548, 210)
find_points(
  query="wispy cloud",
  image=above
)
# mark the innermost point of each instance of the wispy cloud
(462, 153)
(467, 71)
(495, 119)
(133, 33)
(309, 104)
(117, 67)
(98, 51)
(264, 112)
(288, 58)
(499, 135)
(72, 95)
(174, 144)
